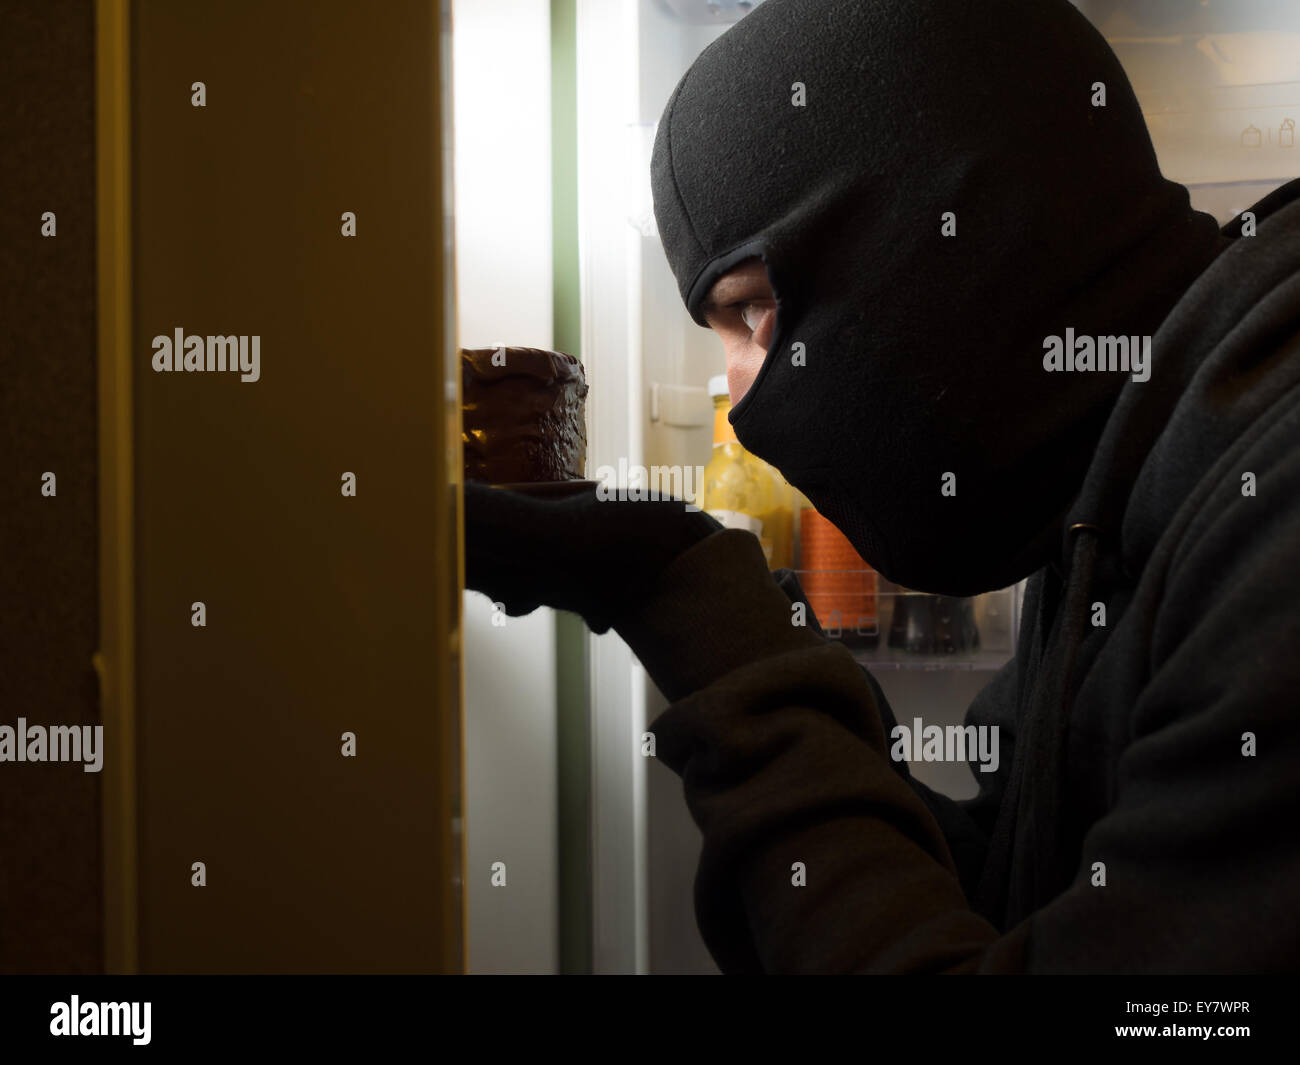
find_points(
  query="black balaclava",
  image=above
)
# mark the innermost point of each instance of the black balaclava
(830, 137)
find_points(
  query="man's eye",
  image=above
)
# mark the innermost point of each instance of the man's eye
(750, 313)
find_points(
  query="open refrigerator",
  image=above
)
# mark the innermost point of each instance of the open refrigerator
(1219, 82)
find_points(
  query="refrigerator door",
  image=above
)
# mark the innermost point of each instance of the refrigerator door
(280, 656)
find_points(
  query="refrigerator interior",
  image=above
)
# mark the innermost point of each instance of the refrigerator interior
(1219, 83)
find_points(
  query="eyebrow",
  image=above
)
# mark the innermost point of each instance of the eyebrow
(725, 285)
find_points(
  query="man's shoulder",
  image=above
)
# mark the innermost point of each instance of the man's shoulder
(1228, 561)
(1229, 455)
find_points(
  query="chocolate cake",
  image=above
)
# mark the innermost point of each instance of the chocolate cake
(523, 415)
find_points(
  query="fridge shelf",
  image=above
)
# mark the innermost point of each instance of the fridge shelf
(892, 658)
(912, 630)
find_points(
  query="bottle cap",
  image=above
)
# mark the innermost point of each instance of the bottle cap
(718, 386)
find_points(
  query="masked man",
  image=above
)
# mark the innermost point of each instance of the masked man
(1020, 353)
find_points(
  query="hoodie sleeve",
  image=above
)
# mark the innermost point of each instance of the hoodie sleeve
(819, 857)
(778, 736)
(786, 768)
(966, 824)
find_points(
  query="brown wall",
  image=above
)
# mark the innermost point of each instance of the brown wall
(324, 613)
(49, 813)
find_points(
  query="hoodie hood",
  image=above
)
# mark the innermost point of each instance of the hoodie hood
(938, 193)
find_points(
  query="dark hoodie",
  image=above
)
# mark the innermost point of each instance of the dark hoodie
(1143, 815)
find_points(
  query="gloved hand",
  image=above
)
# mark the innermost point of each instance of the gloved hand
(597, 558)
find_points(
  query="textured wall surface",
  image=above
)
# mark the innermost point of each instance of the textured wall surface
(49, 812)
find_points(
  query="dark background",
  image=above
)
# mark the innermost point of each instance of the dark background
(50, 872)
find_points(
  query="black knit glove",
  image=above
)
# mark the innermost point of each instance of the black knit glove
(597, 558)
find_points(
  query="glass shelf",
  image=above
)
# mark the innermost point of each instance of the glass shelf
(984, 642)
(881, 658)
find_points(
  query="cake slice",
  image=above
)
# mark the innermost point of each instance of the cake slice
(523, 416)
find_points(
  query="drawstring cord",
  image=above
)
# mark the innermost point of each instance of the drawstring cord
(1015, 882)
(1050, 773)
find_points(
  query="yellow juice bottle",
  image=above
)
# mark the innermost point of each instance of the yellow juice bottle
(744, 492)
